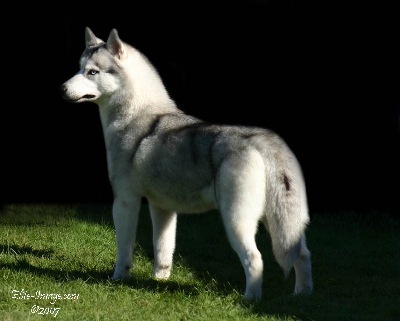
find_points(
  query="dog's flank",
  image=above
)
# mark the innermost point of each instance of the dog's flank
(182, 164)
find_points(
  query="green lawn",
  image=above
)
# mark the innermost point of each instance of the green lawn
(59, 257)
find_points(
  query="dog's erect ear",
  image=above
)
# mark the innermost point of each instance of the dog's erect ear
(115, 45)
(90, 39)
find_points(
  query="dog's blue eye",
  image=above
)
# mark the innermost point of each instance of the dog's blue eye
(92, 72)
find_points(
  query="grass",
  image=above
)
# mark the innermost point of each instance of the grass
(70, 250)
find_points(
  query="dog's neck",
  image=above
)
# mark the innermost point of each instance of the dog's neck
(122, 114)
(124, 124)
(142, 93)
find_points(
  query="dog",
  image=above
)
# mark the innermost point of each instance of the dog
(182, 164)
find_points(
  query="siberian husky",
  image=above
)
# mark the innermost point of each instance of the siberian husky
(182, 164)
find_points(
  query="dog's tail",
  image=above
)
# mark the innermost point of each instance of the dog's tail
(286, 214)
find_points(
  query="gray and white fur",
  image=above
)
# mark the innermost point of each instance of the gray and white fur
(182, 164)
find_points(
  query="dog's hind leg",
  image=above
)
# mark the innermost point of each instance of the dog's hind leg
(241, 235)
(164, 232)
(125, 215)
(241, 191)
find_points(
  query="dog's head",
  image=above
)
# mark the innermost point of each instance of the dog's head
(100, 69)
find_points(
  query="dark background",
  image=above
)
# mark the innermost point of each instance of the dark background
(325, 78)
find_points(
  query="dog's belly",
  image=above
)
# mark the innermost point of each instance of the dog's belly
(182, 200)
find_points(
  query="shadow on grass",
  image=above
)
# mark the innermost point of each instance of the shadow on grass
(22, 250)
(261, 308)
(99, 277)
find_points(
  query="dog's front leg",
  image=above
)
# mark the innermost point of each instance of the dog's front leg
(125, 215)
(164, 232)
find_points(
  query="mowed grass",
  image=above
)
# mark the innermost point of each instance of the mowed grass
(56, 256)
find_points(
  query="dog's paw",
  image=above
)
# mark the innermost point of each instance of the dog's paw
(250, 298)
(306, 290)
(121, 274)
(162, 273)
(248, 302)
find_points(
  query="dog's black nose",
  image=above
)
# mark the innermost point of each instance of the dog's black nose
(62, 90)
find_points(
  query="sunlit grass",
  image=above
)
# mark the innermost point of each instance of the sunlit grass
(70, 250)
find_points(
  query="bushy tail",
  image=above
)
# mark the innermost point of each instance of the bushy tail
(287, 213)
